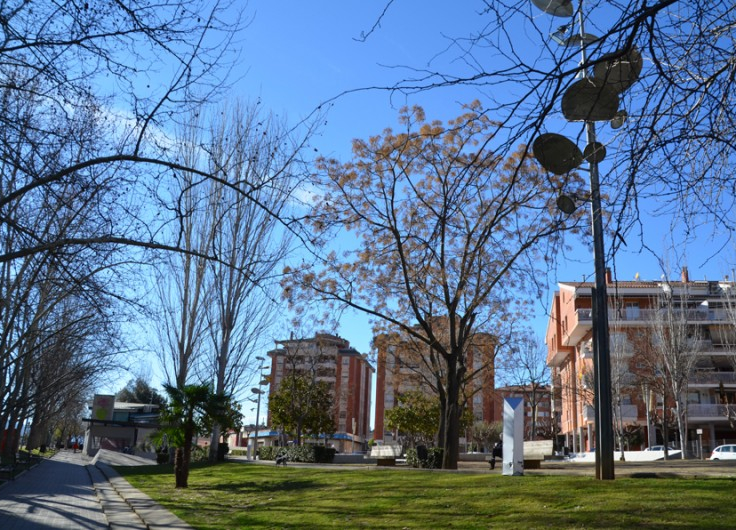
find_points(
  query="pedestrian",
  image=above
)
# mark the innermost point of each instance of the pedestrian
(497, 451)
(75, 446)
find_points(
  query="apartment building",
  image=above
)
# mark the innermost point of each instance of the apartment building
(635, 309)
(400, 368)
(348, 372)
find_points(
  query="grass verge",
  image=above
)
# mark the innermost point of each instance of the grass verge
(236, 495)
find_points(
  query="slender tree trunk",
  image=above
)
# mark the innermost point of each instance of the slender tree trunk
(182, 459)
(665, 430)
(682, 427)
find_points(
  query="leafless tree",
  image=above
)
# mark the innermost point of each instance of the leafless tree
(253, 153)
(58, 305)
(676, 342)
(218, 296)
(525, 367)
(183, 286)
(73, 59)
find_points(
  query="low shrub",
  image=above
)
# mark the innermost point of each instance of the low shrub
(432, 461)
(299, 453)
(200, 454)
(434, 458)
(324, 455)
(412, 459)
(268, 453)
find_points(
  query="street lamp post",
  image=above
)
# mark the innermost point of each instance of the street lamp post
(258, 391)
(590, 99)
(601, 344)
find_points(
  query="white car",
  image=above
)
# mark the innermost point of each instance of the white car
(724, 452)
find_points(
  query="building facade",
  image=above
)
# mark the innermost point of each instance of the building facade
(399, 368)
(348, 372)
(119, 426)
(540, 417)
(642, 404)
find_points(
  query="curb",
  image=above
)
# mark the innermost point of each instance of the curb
(130, 508)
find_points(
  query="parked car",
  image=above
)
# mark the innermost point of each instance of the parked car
(659, 448)
(724, 452)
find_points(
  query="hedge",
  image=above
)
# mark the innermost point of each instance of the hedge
(299, 453)
(433, 460)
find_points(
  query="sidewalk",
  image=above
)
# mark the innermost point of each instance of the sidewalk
(68, 492)
(57, 493)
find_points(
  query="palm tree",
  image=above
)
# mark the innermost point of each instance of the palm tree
(191, 410)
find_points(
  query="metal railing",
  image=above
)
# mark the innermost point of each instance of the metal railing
(696, 410)
(644, 315)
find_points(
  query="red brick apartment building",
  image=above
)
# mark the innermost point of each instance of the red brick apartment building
(633, 310)
(347, 371)
(399, 369)
(546, 424)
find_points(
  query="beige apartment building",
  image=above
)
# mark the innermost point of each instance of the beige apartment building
(634, 308)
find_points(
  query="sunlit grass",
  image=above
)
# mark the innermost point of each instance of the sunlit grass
(236, 495)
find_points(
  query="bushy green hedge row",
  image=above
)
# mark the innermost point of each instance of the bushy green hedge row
(299, 453)
(433, 460)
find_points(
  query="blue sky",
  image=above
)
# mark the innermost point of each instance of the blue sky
(296, 55)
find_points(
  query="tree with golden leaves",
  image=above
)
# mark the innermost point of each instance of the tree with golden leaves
(439, 235)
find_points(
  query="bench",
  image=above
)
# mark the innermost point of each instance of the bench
(385, 455)
(8, 468)
(26, 460)
(534, 453)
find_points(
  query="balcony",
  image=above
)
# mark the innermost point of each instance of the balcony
(696, 411)
(712, 378)
(583, 321)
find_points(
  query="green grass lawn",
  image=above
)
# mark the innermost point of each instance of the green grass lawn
(236, 495)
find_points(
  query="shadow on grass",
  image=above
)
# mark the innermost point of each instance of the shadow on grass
(239, 486)
(249, 486)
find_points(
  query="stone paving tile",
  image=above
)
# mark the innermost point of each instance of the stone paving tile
(58, 493)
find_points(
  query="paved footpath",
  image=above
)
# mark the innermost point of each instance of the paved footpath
(57, 493)
(69, 492)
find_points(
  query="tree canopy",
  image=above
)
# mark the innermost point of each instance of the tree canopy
(415, 418)
(303, 405)
(138, 390)
(444, 231)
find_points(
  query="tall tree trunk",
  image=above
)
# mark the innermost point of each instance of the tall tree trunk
(451, 434)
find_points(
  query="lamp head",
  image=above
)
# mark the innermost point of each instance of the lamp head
(566, 204)
(556, 8)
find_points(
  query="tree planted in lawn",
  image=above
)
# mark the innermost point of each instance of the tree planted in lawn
(415, 418)
(191, 410)
(303, 405)
(443, 233)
